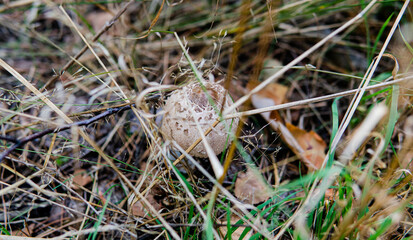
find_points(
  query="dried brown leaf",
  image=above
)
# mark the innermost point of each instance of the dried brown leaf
(271, 95)
(81, 178)
(138, 209)
(309, 146)
(274, 91)
(250, 188)
(312, 145)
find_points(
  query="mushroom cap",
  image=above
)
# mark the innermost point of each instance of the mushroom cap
(179, 120)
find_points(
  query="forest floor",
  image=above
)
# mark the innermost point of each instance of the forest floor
(316, 130)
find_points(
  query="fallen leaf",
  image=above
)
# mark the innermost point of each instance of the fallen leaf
(312, 146)
(138, 208)
(250, 188)
(81, 178)
(308, 146)
(273, 94)
(274, 91)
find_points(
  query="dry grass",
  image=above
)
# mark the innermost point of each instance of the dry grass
(82, 87)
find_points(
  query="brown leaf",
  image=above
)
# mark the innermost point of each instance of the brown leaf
(81, 178)
(138, 208)
(307, 145)
(312, 146)
(272, 94)
(250, 188)
(273, 91)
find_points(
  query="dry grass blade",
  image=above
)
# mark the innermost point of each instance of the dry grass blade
(15, 4)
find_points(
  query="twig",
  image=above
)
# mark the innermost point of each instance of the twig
(20, 142)
(9, 139)
(91, 111)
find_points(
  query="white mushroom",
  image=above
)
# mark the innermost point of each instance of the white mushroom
(191, 103)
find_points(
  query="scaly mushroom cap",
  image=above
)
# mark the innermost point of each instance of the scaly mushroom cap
(179, 121)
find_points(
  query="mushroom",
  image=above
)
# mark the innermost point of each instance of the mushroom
(191, 105)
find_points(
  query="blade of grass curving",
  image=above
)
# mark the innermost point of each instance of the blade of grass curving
(313, 198)
(244, 233)
(97, 224)
(190, 220)
(244, 208)
(367, 126)
(334, 129)
(4, 231)
(229, 228)
(393, 115)
(370, 96)
(406, 42)
(382, 228)
(379, 34)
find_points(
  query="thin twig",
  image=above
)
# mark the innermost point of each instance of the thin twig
(23, 141)
(9, 139)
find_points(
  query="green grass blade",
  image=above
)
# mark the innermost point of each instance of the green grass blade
(97, 224)
(209, 222)
(381, 229)
(383, 27)
(393, 116)
(334, 129)
(4, 231)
